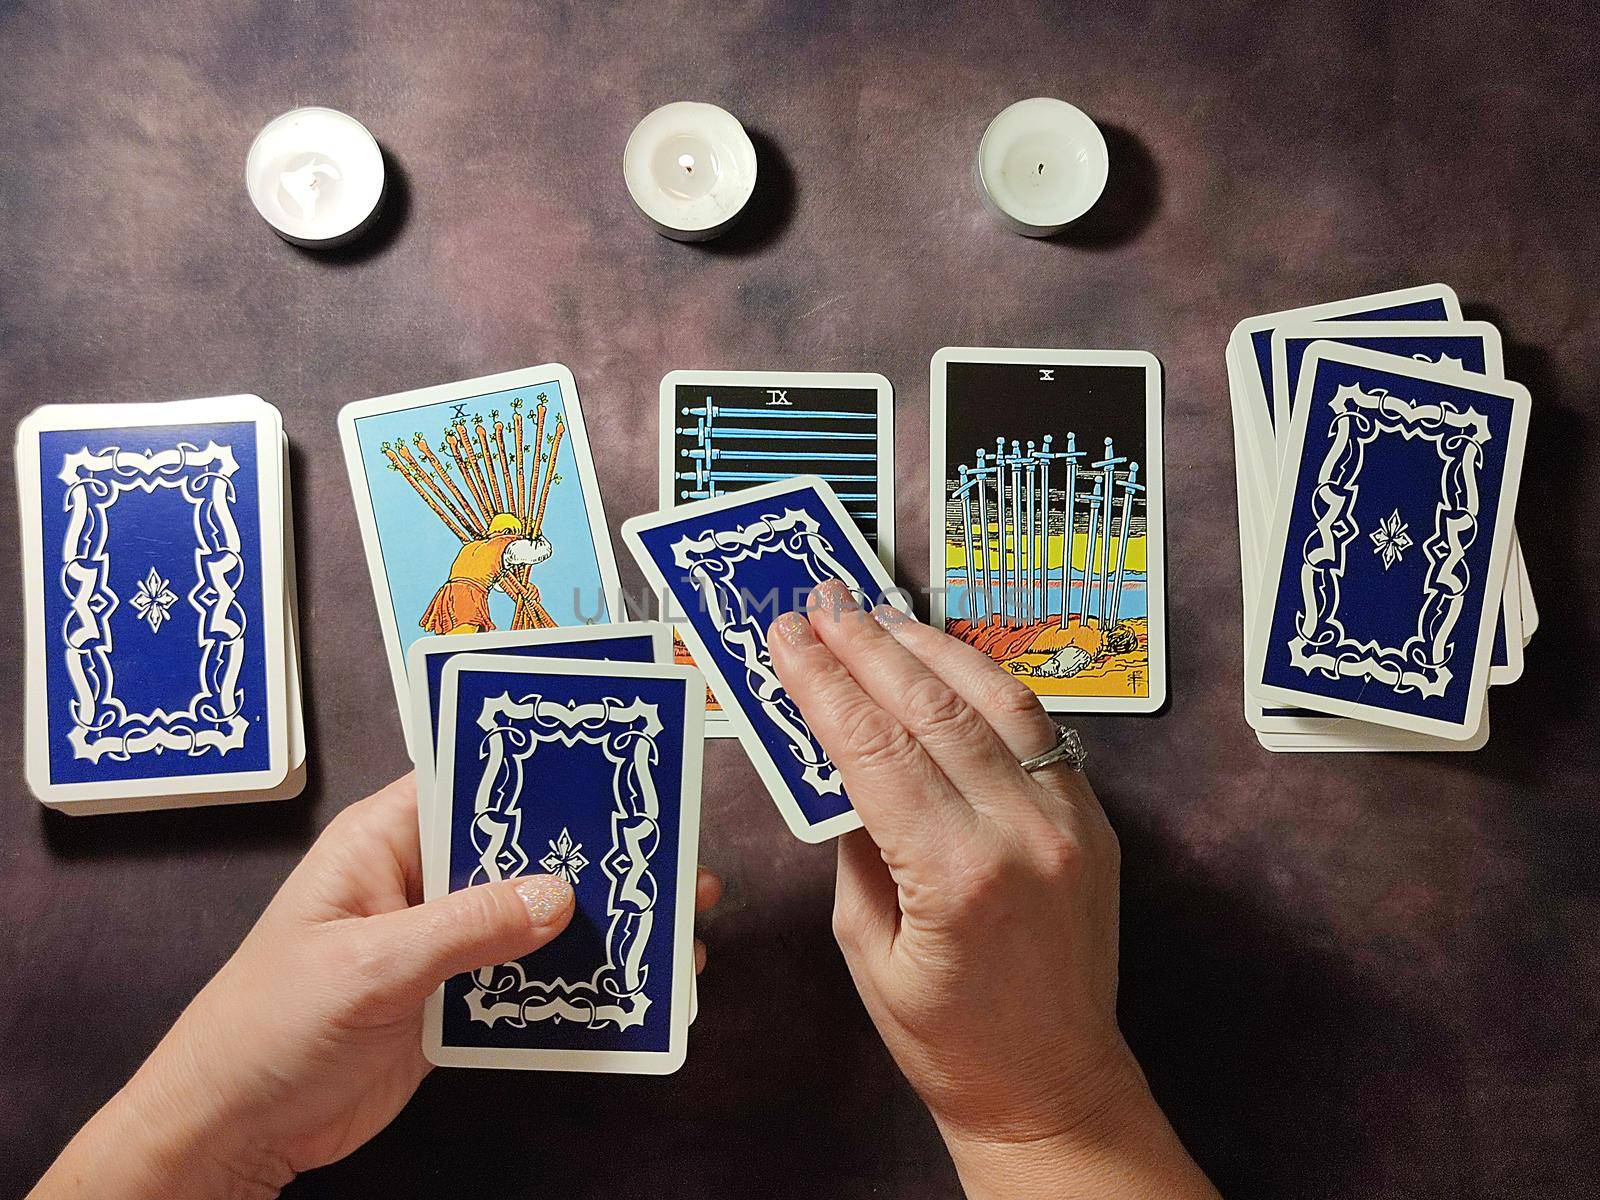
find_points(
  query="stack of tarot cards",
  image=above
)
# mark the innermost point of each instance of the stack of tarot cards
(1379, 449)
(549, 737)
(571, 752)
(158, 576)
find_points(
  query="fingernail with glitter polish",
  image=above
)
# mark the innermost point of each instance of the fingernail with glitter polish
(888, 616)
(794, 629)
(546, 897)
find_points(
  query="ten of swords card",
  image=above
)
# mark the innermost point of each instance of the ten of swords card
(479, 511)
(154, 591)
(724, 431)
(1046, 520)
(1386, 564)
(590, 771)
(626, 641)
(731, 565)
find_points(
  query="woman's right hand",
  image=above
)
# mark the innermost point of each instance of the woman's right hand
(977, 910)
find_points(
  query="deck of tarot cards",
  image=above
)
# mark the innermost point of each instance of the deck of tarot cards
(1379, 450)
(158, 576)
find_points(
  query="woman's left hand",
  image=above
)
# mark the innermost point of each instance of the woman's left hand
(309, 1040)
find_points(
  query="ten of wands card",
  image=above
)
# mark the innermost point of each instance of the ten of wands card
(1046, 520)
(152, 544)
(590, 771)
(1388, 554)
(479, 511)
(731, 565)
(725, 431)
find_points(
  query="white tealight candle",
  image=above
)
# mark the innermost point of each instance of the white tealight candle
(316, 175)
(690, 169)
(1041, 165)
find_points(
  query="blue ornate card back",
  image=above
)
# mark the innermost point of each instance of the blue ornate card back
(731, 573)
(629, 647)
(1463, 350)
(152, 602)
(1395, 509)
(579, 776)
(1431, 309)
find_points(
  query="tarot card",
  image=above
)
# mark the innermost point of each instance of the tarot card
(724, 431)
(630, 641)
(152, 538)
(1251, 343)
(479, 511)
(1046, 515)
(590, 771)
(730, 566)
(1389, 547)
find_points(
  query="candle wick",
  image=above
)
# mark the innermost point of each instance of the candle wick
(686, 161)
(1041, 168)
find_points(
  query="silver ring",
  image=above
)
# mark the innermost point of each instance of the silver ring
(1068, 749)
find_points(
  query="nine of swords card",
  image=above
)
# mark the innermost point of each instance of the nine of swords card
(479, 511)
(1046, 520)
(724, 431)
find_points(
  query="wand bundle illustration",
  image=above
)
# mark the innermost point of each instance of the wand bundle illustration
(482, 489)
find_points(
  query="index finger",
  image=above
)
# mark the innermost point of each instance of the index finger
(903, 799)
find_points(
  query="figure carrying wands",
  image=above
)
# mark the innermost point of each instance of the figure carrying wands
(496, 509)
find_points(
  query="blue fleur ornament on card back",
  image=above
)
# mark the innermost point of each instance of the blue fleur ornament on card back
(152, 602)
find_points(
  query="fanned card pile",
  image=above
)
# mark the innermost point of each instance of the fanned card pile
(158, 583)
(1378, 449)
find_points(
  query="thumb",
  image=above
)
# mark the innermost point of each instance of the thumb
(478, 926)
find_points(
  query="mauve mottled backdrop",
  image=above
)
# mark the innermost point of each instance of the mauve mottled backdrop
(1346, 976)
